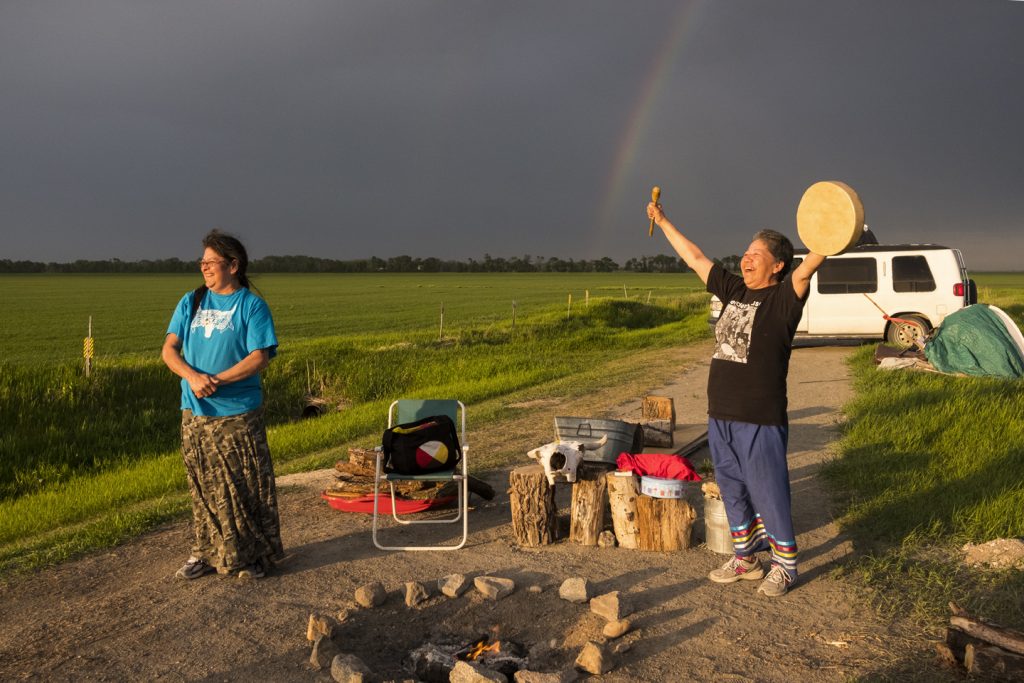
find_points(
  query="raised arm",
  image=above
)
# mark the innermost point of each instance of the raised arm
(802, 275)
(687, 250)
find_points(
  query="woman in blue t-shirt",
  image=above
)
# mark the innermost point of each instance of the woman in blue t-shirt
(220, 337)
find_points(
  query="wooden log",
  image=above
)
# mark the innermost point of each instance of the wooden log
(989, 660)
(475, 485)
(622, 494)
(659, 408)
(588, 505)
(958, 641)
(657, 433)
(532, 500)
(1005, 638)
(946, 656)
(665, 523)
(364, 459)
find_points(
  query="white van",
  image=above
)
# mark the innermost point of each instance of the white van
(921, 283)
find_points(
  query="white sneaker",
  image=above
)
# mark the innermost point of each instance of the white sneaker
(776, 583)
(193, 568)
(737, 569)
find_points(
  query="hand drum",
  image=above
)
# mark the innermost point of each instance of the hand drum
(830, 218)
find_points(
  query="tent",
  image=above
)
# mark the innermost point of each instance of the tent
(977, 340)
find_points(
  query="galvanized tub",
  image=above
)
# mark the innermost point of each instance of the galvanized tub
(623, 437)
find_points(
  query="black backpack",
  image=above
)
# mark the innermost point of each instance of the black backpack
(422, 447)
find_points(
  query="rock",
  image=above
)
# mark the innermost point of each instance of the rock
(535, 589)
(610, 606)
(1000, 553)
(494, 587)
(324, 651)
(614, 629)
(371, 594)
(320, 625)
(346, 668)
(524, 676)
(343, 614)
(464, 672)
(593, 659)
(453, 585)
(575, 590)
(606, 540)
(415, 593)
(622, 646)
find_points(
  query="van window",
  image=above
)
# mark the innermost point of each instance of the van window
(848, 276)
(912, 274)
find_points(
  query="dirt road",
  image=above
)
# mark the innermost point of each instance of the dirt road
(119, 615)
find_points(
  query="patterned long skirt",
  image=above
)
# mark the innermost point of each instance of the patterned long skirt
(234, 497)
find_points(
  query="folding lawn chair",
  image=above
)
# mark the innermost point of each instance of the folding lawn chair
(403, 411)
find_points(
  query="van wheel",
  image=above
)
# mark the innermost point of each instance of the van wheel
(904, 334)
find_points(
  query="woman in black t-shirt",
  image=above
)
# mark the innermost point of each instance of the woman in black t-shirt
(748, 429)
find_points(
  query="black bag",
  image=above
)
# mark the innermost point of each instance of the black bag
(421, 447)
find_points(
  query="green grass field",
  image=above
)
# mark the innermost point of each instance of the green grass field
(47, 316)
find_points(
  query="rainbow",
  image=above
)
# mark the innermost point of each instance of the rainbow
(640, 115)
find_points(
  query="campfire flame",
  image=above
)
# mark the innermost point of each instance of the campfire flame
(481, 647)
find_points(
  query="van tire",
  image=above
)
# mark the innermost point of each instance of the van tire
(902, 335)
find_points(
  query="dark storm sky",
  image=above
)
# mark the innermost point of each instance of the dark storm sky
(453, 129)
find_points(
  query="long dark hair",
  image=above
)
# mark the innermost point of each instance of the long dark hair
(231, 248)
(780, 247)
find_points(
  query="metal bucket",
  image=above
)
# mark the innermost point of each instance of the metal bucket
(623, 437)
(716, 527)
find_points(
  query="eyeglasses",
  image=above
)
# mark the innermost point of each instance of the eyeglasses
(204, 264)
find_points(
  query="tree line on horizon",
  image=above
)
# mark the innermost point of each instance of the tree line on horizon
(661, 263)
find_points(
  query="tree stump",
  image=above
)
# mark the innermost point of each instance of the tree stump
(532, 499)
(665, 523)
(588, 505)
(622, 495)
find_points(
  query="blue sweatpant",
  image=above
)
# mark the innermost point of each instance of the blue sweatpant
(751, 471)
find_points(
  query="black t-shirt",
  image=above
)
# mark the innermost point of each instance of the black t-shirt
(753, 341)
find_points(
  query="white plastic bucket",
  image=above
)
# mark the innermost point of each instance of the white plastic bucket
(716, 527)
(656, 487)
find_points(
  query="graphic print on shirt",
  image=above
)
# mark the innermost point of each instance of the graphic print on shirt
(210, 319)
(732, 333)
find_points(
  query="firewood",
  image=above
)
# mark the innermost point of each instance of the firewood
(588, 505)
(363, 458)
(475, 485)
(665, 523)
(946, 656)
(958, 641)
(659, 408)
(657, 433)
(532, 502)
(622, 494)
(1005, 638)
(992, 661)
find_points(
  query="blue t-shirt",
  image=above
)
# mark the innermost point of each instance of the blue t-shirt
(225, 329)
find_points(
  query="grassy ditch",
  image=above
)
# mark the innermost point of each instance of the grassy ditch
(90, 462)
(928, 463)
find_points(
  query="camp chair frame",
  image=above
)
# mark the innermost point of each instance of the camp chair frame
(409, 410)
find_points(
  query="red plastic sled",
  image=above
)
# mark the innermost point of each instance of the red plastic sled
(404, 506)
